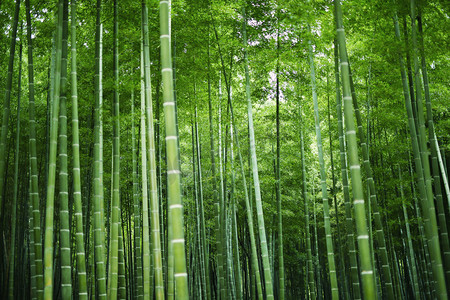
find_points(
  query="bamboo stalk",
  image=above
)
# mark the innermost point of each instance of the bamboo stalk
(80, 251)
(48, 235)
(259, 208)
(366, 273)
(98, 206)
(173, 166)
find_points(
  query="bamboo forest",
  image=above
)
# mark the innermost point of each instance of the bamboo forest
(247, 149)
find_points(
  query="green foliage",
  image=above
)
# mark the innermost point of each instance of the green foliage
(197, 26)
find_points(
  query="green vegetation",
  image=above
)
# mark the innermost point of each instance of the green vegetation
(262, 149)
